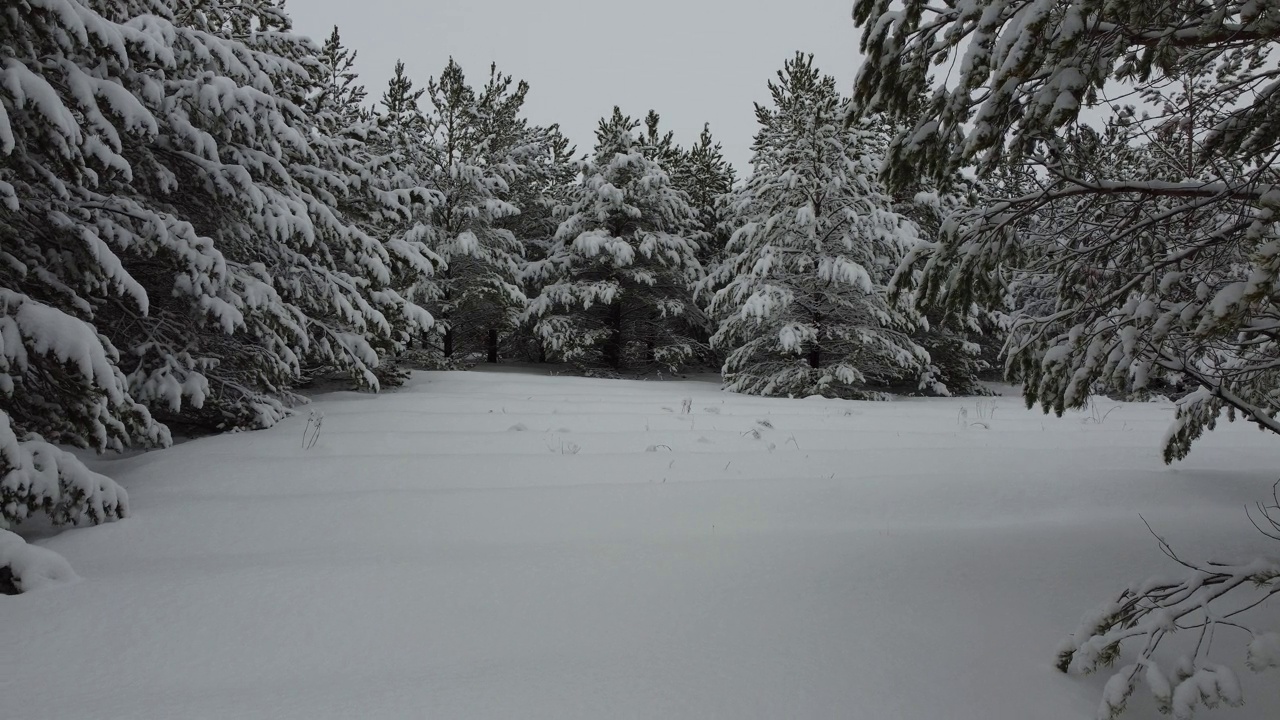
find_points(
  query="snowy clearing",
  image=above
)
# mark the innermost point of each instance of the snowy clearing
(479, 545)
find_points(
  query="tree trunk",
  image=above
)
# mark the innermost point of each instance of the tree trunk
(613, 346)
(493, 344)
(815, 355)
(448, 343)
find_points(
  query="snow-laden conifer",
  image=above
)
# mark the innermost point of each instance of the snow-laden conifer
(805, 307)
(477, 147)
(618, 276)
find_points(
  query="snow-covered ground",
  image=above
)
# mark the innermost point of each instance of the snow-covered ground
(507, 545)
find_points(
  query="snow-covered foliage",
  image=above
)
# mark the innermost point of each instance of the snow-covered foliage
(401, 141)
(164, 184)
(37, 476)
(617, 282)
(1152, 249)
(805, 307)
(385, 202)
(548, 180)
(965, 344)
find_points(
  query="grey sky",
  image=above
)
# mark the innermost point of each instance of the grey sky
(693, 61)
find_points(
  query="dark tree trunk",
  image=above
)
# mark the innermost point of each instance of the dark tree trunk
(493, 344)
(448, 343)
(613, 346)
(815, 355)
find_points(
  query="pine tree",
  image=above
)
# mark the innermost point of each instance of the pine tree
(66, 116)
(380, 202)
(278, 185)
(338, 104)
(806, 309)
(400, 143)
(477, 146)
(659, 146)
(547, 181)
(708, 180)
(618, 278)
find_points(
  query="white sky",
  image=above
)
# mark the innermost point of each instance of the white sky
(693, 61)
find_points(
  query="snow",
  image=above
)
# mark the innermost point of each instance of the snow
(33, 567)
(1264, 651)
(509, 544)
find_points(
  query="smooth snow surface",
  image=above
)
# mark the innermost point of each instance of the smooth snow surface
(506, 545)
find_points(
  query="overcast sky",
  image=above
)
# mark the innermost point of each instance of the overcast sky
(693, 61)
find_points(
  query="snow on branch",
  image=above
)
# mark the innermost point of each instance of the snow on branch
(36, 476)
(1209, 597)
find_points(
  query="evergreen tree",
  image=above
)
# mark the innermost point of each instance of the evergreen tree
(66, 114)
(548, 178)
(278, 184)
(659, 146)
(805, 309)
(400, 143)
(477, 145)
(708, 180)
(338, 103)
(617, 279)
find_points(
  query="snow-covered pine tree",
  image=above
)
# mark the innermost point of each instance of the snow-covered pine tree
(64, 112)
(381, 200)
(965, 344)
(254, 174)
(660, 146)
(805, 308)
(478, 143)
(338, 106)
(708, 180)
(547, 181)
(400, 143)
(617, 281)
